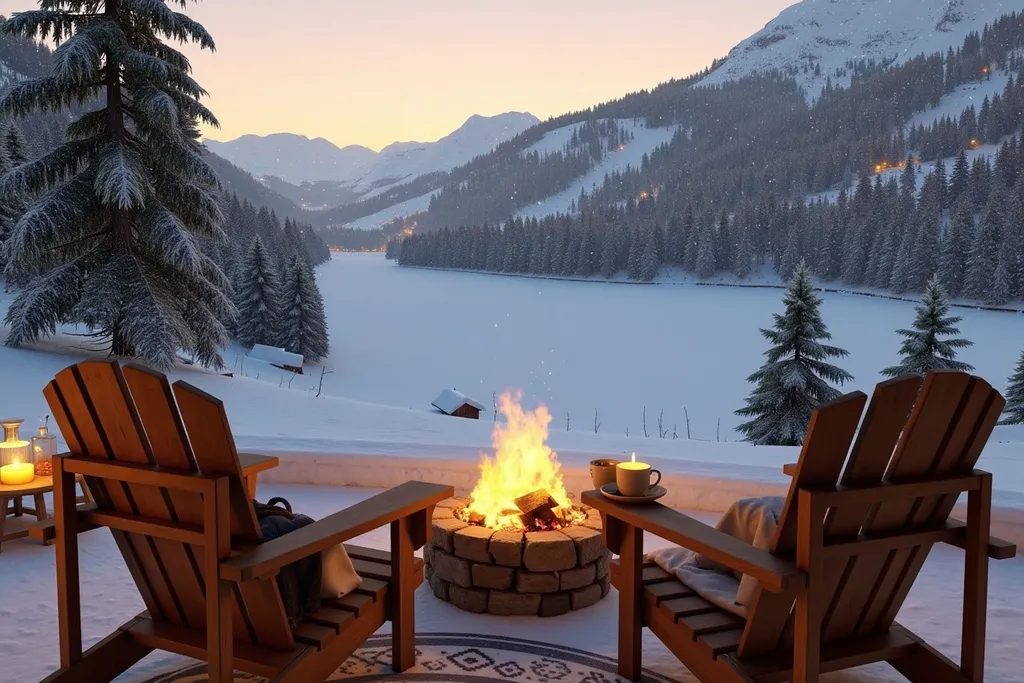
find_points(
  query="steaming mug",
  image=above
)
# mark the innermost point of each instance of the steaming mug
(633, 479)
(603, 471)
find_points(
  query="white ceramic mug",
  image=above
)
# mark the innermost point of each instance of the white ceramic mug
(633, 479)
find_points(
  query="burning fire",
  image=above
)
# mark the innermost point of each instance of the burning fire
(522, 464)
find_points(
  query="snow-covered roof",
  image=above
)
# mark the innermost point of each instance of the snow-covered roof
(277, 356)
(450, 400)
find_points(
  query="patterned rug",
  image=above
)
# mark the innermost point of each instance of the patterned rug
(458, 658)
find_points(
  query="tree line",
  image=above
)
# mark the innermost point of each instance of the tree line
(885, 234)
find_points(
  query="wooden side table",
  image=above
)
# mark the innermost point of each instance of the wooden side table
(11, 505)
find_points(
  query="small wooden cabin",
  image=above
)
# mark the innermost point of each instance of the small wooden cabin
(279, 358)
(452, 402)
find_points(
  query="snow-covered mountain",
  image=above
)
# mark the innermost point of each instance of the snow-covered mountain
(293, 157)
(296, 158)
(814, 38)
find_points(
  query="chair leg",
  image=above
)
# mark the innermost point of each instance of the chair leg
(104, 661)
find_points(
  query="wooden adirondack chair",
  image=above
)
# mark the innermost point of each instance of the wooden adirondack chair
(162, 467)
(849, 546)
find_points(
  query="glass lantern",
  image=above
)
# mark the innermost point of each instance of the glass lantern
(16, 467)
(44, 447)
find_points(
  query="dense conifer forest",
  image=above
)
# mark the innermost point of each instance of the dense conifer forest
(729, 193)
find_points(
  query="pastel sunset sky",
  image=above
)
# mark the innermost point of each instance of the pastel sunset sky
(374, 72)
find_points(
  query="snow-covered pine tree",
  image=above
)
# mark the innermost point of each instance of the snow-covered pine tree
(110, 238)
(303, 321)
(984, 257)
(795, 377)
(1013, 413)
(955, 245)
(705, 265)
(15, 144)
(923, 347)
(650, 261)
(744, 258)
(258, 298)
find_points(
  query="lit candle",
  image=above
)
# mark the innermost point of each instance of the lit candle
(17, 474)
(633, 464)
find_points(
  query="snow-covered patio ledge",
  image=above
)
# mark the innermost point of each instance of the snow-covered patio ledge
(691, 485)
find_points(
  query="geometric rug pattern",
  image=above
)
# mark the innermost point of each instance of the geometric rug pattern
(459, 658)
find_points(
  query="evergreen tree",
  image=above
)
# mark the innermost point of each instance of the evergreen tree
(922, 349)
(110, 239)
(795, 377)
(650, 263)
(744, 254)
(955, 246)
(304, 322)
(984, 256)
(14, 142)
(1013, 413)
(258, 298)
(705, 266)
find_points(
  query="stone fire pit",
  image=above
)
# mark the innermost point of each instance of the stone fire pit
(515, 573)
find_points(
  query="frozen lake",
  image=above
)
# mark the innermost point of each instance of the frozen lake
(399, 336)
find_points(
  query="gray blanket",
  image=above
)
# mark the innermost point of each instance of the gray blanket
(752, 520)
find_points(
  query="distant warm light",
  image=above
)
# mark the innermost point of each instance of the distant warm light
(974, 143)
(407, 232)
(622, 147)
(643, 195)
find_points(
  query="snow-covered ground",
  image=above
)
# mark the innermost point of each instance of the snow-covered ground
(28, 629)
(645, 141)
(408, 208)
(828, 33)
(967, 95)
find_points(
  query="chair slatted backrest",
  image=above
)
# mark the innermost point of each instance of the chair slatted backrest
(951, 415)
(131, 416)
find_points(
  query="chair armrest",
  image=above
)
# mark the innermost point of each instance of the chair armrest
(384, 508)
(998, 549)
(789, 469)
(46, 530)
(773, 573)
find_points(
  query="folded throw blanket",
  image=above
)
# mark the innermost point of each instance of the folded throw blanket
(752, 520)
(299, 582)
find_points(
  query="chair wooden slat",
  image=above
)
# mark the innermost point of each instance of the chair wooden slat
(886, 416)
(171, 448)
(121, 496)
(213, 447)
(79, 445)
(932, 424)
(830, 433)
(983, 409)
(106, 390)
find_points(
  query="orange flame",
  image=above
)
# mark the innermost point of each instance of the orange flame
(522, 464)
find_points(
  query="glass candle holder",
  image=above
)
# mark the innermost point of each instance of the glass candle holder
(44, 447)
(16, 467)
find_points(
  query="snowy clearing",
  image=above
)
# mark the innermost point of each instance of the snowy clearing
(645, 141)
(403, 209)
(954, 104)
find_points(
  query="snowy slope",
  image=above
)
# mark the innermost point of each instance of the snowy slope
(827, 33)
(296, 158)
(645, 141)
(403, 161)
(408, 208)
(967, 95)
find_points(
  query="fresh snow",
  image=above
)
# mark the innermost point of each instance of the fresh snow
(28, 633)
(406, 209)
(397, 340)
(645, 141)
(967, 95)
(828, 33)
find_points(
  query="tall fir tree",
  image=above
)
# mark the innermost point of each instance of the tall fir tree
(706, 262)
(955, 246)
(795, 376)
(258, 298)
(14, 142)
(110, 239)
(650, 262)
(924, 347)
(1013, 412)
(303, 327)
(984, 256)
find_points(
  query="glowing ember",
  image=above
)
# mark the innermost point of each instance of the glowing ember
(522, 464)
